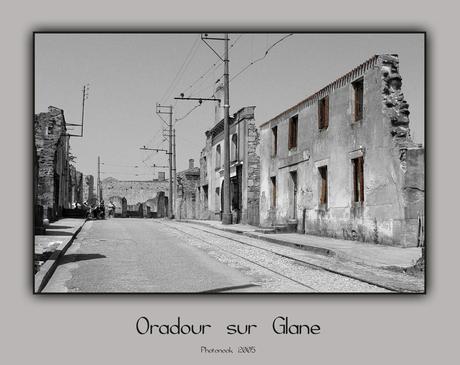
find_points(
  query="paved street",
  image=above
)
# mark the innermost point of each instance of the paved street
(135, 255)
(162, 256)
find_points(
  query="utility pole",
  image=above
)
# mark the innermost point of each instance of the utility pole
(175, 170)
(99, 185)
(171, 193)
(85, 96)
(226, 215)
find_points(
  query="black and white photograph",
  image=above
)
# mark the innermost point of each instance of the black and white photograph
(243, 183)
(182, 162)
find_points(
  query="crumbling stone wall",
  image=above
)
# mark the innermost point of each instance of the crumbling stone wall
(76, 186)
(52, 143)
(253, 174)
(187, 184)
(134, 191)
(121, 207)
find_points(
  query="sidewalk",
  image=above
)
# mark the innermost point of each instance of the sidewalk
(359, 252)
(54, 243)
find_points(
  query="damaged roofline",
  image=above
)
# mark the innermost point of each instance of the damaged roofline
(372, 59)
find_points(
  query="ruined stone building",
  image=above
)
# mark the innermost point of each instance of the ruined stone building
(137, 198)
(342, 163)
(76, 186)
(244, 169)
(54, 190)
(188, 182)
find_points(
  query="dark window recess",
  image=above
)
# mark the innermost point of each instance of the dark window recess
(323, 113)
(234, 148)
(359, 91)
(293, 126)
(358, 179)
(273, 191)
(323, 175)
(275, 139)
(218, 158)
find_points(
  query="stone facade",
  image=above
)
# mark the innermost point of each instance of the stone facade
(188, 182)
(76, 186)
(88, 190)
(52, 144)
(244, 169)
(341, 163)
(141, 198)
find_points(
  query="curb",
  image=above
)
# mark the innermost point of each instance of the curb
(263, 237)
(314, 249)
(49, 267)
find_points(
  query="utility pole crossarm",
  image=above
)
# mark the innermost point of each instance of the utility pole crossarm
(199, 99)
(152, 149)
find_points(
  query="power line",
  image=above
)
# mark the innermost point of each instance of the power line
(171, 87)
(260, 59)
(215, 65)
(239, 73)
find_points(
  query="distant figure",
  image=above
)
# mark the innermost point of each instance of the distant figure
(101, 210)
(111, 207)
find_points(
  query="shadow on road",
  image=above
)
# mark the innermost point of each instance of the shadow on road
(80, 257)
(53, 232)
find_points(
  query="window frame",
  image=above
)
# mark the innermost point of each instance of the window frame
(358, 179)
(323, 174)
(218, 164)
(323, 113)
(273, 180)
(234, 149)
(275, 140)
(358, 100)
(293, 131)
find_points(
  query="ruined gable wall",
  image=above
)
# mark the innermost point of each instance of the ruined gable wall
(52, 145)
(187, 184)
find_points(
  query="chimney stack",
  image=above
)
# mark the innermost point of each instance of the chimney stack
(191, 163)
(161, 176)
(219, 111)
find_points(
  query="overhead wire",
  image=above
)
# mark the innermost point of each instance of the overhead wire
(260, 59)
(180, 73)
(239, 73)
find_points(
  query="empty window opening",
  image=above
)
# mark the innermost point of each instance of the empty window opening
(293, 198)
(293, 127)
(358, 179)
(359, 91)
(275, 139)
(234, 155)
(218, 159)
(323, 183)
(273, 191)
(323, 113)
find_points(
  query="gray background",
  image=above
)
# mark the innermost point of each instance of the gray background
(361, 329)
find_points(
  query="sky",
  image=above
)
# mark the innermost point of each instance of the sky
(128, 75)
